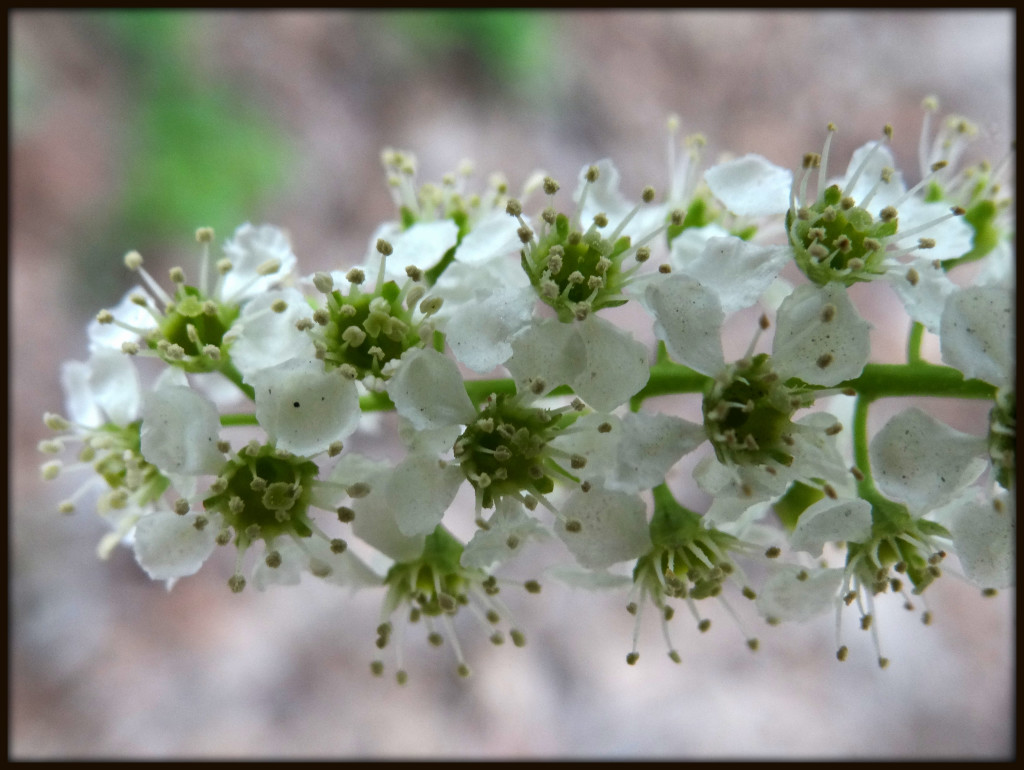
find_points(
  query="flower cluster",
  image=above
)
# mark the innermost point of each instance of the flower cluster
(214, 410)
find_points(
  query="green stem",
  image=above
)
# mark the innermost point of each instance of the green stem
(914, 343)
(866, 486)
(231, 420)
(228, 370)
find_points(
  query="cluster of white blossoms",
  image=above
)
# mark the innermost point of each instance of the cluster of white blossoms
(214, 410)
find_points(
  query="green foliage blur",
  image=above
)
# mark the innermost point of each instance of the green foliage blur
(195, 154)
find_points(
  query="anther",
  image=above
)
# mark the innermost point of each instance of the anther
(355, 275)
(842, 653)
(632, 658)
(273, 559)
(236, 583)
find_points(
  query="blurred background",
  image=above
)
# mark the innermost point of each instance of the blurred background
(130, 129)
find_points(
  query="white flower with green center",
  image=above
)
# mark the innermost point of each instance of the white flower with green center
(686, 559)
(104, 399)
(508, 447)
(191, 329)
(362, 333)
(431, 586)
(837, 239)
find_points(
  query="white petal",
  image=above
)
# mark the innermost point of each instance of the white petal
(738, 272)
(550, 350)
(688, 318)
(977, 334)
(127, 312)
(926, 299)
(614, 527)
(480, 333)
(169, 546)
(248, 249)
(591, 580)
(920, 461)
(346, 569)
(650, 444)
(985, 539)
(429, 392)
(288, 573)
(265, 338)
(819, 351)
(494, 235)
(179, 433)
(876, 159)
(509, 524)
(953, 237)
(104, 389)
(422, 245)
(751, 186)
(419, 491)
(828, 521)
(617, 365)
(785, 597)
(689, 245)
(375, 524)
(304, 408)
(462, 284)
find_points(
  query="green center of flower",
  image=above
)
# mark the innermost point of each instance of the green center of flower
(687, 559)
(263, 494)
(116, 455)
(836, 240)
(900, 543)
(505, 450)
(575, 272)
(367, 330)
(748, 411)
(191, 325)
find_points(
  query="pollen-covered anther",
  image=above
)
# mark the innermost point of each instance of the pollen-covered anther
(632, 658)
(525, 234)
(642, 254)
(105, 317)
(847, 203)
(574, 526)
(824, 360)
(842, 653)
(811, 160)
(888, 214)
(236, 583)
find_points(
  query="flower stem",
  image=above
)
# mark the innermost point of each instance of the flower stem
(914, 343)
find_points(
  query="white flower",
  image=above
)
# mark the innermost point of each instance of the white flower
(836, 238)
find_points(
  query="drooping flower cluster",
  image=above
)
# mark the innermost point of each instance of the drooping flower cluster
(564, 445)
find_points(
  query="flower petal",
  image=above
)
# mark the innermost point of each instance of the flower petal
(688, 318)
(977, 334)
(264, 338)
(304, 408)
(480, 333)
(920, 461)
(249, 249)
(984, 537)
(828, 521)
(820, 338)
(784, 596)
(613, 527)
(428, 390)
(169, 546)
(751, 186)
(738, 272)
(179, 433)
(616, 367)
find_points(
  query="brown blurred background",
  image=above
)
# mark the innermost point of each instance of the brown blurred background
(130, 129)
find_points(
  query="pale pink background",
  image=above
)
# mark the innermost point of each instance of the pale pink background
(105, 663)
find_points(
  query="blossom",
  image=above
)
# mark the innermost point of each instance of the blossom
(836, 239)
(192, 329)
